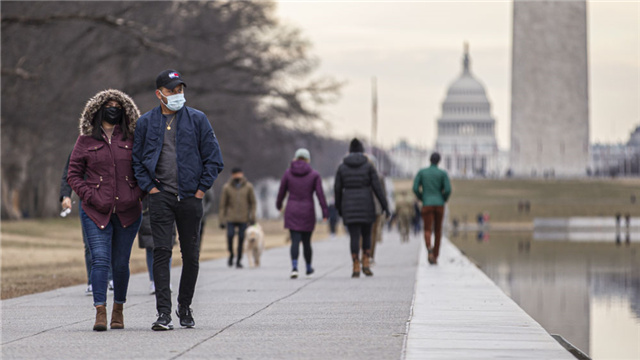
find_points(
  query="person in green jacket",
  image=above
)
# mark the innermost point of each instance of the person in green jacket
(433, 188)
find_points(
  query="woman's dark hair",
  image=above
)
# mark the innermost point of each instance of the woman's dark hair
(97, 123)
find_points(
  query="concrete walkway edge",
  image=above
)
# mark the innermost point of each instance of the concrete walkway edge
(459, 313)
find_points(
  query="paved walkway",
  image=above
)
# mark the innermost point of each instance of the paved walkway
(262, 314)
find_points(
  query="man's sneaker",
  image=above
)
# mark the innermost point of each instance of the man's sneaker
(163, 323)
(110, 285)
(186, 316)
(152, 288)
(89, 290)
(310, 272)
(294, 273)
(238, 266)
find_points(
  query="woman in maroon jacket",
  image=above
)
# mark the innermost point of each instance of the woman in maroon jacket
(301, 181)
(100, 172)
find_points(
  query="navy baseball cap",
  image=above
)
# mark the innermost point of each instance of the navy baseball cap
(169, 79)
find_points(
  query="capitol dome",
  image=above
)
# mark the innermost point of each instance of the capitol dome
(466, 130)
(466, 84)
(466, 91)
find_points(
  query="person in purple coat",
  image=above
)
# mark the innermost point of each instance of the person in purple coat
(301, 181)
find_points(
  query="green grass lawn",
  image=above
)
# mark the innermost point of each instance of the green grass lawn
(548, 198)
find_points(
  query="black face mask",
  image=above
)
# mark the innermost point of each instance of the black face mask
(112, 115)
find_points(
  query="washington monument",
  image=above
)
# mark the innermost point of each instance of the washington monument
(549, 89)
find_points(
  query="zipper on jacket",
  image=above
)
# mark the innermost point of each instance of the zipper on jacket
(177, 169)
(115, 176)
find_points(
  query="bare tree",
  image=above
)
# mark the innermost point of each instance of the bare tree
(250, 74)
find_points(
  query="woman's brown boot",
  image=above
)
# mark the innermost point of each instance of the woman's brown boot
(101, 318)
(365, 263)
(356, 266)
(117, 319)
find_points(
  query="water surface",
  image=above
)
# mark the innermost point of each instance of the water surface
(588, 292)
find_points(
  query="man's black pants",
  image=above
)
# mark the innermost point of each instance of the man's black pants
(164, 209)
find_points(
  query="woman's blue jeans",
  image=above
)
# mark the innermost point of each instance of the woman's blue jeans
(111, 245)
(87, 252)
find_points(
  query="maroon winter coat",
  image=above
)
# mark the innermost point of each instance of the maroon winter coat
(101, 172)
(300, 181)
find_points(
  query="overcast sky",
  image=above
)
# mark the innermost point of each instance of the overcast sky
(415, 51)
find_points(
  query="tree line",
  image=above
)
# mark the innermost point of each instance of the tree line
(253, 76)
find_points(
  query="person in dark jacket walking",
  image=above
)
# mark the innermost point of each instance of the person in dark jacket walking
(176, 158)
(65, 202)
(333, 219)
(300, 181)
(354, 182)
(100, 172)
(433, 188)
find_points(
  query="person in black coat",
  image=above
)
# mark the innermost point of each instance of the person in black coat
(355, 180)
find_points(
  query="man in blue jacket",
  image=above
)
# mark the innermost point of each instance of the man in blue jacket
(176, 159)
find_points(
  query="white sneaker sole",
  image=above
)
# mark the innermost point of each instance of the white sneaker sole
(160, 327)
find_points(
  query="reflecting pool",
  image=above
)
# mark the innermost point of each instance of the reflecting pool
(588, 292)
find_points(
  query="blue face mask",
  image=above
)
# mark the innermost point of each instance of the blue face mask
(174, 102)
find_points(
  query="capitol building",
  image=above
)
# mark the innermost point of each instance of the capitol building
(466, 137)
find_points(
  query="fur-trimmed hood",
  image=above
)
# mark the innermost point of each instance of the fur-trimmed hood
(95, 103)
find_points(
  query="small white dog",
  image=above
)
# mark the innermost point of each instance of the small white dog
(254, 244)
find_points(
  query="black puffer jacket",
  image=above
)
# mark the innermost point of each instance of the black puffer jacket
(355, 179)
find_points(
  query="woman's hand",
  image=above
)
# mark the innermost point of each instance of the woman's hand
(66, 203)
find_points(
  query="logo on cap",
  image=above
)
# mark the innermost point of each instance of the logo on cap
(174, 75)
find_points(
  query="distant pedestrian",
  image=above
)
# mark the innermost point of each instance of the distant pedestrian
(417, 218)
(177, 158)
(455, 224)
(378, 223)
(404, 214)
(101, 173)
(356, 182)
(431, 185)
(333, 219)
(65, 202)
(237, 210)
(300, 181)
(207, 204)
(627, 221)
(145, 241)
